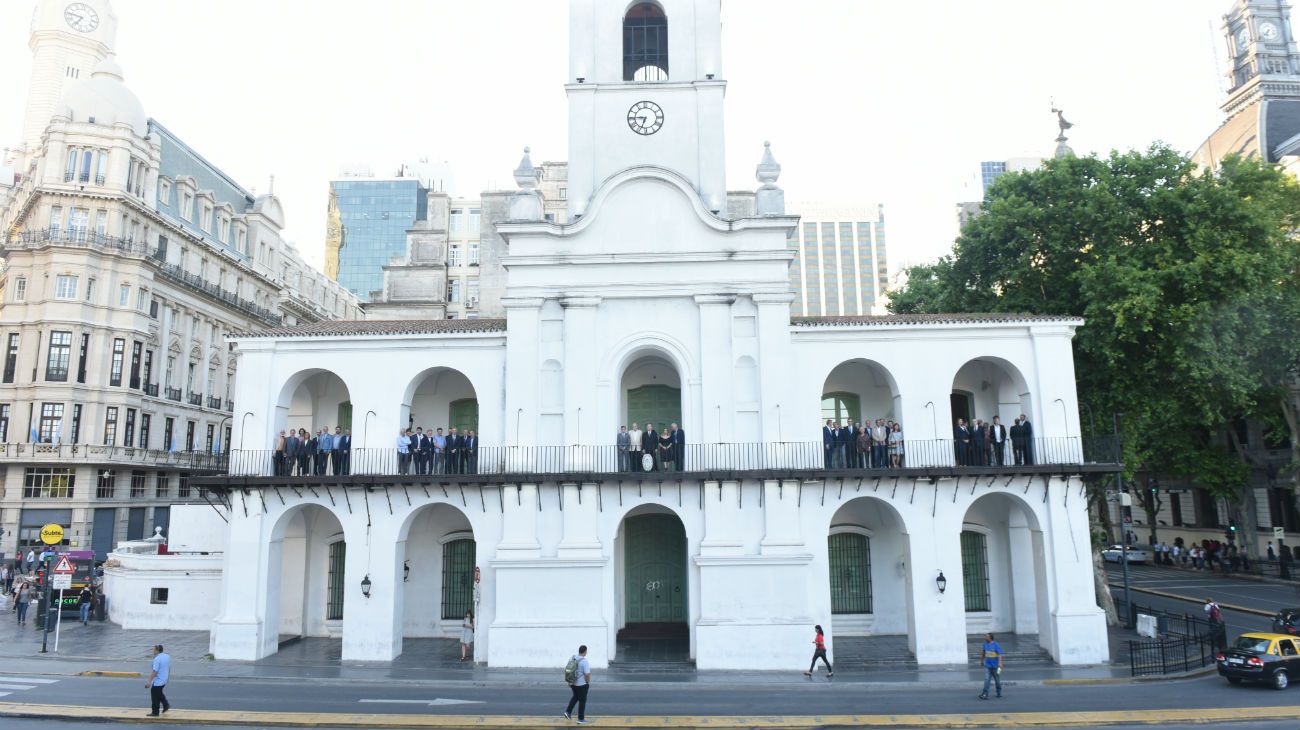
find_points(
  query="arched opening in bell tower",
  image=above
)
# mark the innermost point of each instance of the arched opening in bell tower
(645, 43)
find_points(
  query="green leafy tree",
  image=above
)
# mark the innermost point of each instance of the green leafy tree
(1189, 281)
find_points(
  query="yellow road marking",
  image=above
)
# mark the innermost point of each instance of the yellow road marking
(715, 722)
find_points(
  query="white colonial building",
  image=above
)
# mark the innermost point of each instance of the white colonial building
(655, 305)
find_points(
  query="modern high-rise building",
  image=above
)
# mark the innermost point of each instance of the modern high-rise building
(368, 221)
(128, 258)
(991, 170)
(840, 268)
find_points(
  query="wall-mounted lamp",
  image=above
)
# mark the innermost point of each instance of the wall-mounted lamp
(941, 582)
(365, 586)
(406, 571)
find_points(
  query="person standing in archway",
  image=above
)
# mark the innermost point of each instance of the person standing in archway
(666, 451)
(679, 447)
(819, 652)
(1027, 435)
(634, 448)
(623, 445)
(650, 442)
(467, 637)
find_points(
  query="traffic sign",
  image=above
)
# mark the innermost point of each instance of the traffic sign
(1279, 533)
(64, 566)
(61, 581)
(52, 534)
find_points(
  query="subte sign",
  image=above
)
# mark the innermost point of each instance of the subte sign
(52, 534)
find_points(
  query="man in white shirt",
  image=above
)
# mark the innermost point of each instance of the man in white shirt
(581, 684)
(634, 447)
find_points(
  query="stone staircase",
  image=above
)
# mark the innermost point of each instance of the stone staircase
(892, 652)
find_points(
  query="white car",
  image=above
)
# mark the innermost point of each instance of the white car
(1136, 554)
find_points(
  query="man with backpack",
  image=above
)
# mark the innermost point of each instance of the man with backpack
(577, 673)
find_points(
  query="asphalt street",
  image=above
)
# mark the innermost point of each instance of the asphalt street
(27, 724)
(1195, 587)
(800, 696)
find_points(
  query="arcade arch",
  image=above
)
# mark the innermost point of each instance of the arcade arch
(313, 399)
(438, 555)
(306, 575)
(652, 571)
(868, 555)
(1004, 568)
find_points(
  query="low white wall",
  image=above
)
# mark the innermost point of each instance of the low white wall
(193, 584)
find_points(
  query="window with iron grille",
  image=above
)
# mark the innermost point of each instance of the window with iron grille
(163, 485)
(850, 560)
(48, 483)
(106, 487)
(645, 43)
(334, 600)
(138, 483)
(975, 570)
(183, 487)
(115, 372)
(457, 578)
(60, 355)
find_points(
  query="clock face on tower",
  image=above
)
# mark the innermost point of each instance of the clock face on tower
(1268, 31)
(1243, 39)
(81, 17)
(645, 117)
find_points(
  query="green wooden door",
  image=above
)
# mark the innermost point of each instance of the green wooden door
(654, 569)
(657, 404)
(464, 415)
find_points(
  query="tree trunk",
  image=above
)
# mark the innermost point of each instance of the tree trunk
(1248, 522)
(1104, 600)
(1290, 403)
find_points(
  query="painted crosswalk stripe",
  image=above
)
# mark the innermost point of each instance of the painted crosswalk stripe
(26, 680)
(5, 694)
(17, 686)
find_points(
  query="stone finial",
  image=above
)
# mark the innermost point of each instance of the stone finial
(526, 205)
(769, 199)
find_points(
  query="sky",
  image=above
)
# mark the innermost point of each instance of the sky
(875, 101)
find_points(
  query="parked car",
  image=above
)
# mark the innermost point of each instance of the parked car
(1260, 657)
(1136, 553)
(1287, 621)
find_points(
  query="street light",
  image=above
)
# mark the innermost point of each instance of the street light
(941, 583)
(243, 431)
(365, 586)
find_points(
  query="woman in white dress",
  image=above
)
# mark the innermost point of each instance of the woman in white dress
(467, 637)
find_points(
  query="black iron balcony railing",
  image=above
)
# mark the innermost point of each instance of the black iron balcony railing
(151, 389)
(198, 283)
(229, 405)
(81, 237)
(214, 403)
(173, 394)
(195, 399)
(800, 456)
(92, 453)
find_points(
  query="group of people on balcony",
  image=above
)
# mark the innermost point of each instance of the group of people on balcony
(432, 452)
(985, 444)
(298, 453)
(852, 445)
(651, 450)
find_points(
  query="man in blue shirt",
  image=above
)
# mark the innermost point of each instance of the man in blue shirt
(992, 654)
(162, 669)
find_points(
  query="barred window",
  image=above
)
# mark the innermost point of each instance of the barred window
(48, 483)
(138, 483)
(183, 487)
(975, 570)
(163, 485)
(106, 487)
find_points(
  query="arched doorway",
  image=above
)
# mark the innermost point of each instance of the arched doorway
(441, 401)
(867, 559)
(988, 392)
(655, 605)
(439, 557)
(1003, 576)
(306, 578)
(312, 402)
(859, 394)
(650, 391)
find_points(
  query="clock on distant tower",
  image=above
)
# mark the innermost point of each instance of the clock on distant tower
(81, 17)
(645, 117)
(1268, 31)
(1243, 39)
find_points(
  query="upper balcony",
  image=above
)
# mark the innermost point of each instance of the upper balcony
(932, 458)
(90, 454)
(76, 237)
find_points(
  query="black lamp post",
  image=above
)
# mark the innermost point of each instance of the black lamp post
(941, 582)
(365, 586)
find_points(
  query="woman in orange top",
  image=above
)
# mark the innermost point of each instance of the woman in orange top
(820, 652)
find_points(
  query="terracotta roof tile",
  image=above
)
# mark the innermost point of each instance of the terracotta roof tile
(871, 320)
(354, 328)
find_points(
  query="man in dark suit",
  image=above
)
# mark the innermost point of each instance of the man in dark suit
(650, 444)
(454, 445)
(469, 447)
(998, 440)
(843, 444)
(1017, 443)
(343, 452)
(419, 450)
(828, 443)
(977, 444)
(679, 446)
(1027, 435)
(961, 442)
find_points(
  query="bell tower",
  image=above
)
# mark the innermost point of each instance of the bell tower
(1262, 52)
(645, 88)
(68, 38)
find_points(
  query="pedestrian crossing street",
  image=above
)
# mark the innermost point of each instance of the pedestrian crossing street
(9, 685)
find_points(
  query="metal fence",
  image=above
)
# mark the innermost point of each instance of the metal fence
(1184, 641)
(92, 453)
(801, 456)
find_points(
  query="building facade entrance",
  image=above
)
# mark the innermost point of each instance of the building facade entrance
(657, 404)
(655, 572)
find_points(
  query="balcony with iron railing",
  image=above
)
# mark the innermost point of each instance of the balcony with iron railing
(173, 394)
(195, 399)
(72, 454)
(932, 457)
(214, 403)
(151, 389)
(178, 275)
(78, 237)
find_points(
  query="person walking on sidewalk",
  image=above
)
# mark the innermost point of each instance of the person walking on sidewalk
(162, 669)
(22, 597)
(578, 674)
(467, 637)
(992, 654)
(84, 603)
(819, 652)
(1214, 615)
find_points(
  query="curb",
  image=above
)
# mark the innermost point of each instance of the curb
(1194, 674)
(1179, 597)
(107, 673)
(512, 722)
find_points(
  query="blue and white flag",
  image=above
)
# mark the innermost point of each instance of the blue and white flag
(35, 435)
(172, 446)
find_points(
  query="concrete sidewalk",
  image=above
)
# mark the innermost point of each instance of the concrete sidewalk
(105, 647)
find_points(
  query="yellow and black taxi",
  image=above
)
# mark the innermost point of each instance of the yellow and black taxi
(1261, 657)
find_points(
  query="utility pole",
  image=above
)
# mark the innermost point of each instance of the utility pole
(1124, 521)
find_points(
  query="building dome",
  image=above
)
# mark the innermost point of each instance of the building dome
(104, 98)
